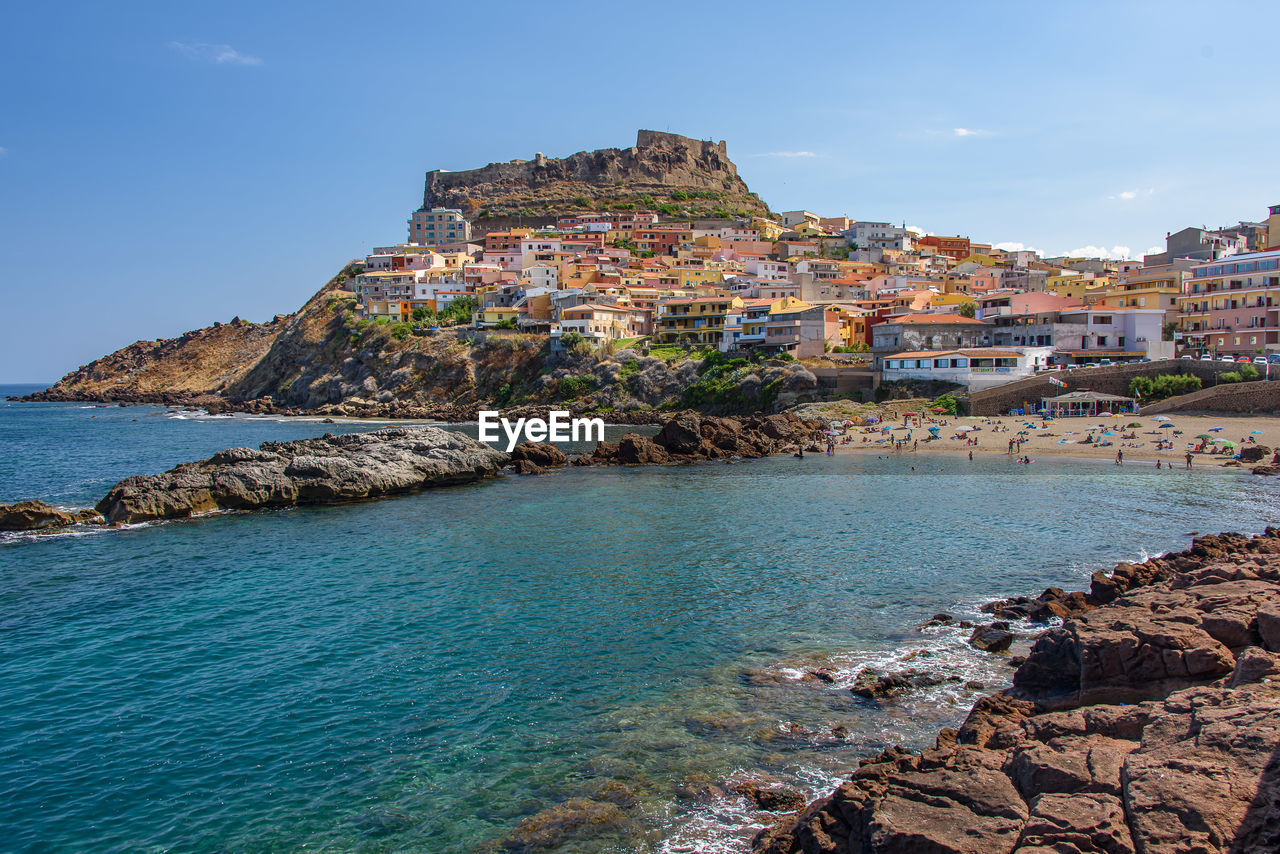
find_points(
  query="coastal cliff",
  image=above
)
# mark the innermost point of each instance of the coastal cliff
(325, 360)
(687, 177)
(1148, 722)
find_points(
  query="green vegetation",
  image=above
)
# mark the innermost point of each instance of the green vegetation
(679, 196)
(1165, 385)
(860, 347)
(1247, 373)
(967, 309)
(422, 314)
(946, 402)
(574, 387)
(456, 312)
(401, 331)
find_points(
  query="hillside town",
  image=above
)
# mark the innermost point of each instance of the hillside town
(914, 305)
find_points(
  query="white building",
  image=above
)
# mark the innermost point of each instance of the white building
(977, 368)
(880, 235)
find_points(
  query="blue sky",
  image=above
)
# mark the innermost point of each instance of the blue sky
(163, 165)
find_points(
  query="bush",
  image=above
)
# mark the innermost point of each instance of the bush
(570, 339)
(571, 387)
(1230, 377)
(1162, 386)
(946, 402)
(401, 331)
(422, 314)
(1248, 373)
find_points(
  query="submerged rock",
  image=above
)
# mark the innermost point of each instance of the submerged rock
(350, 467)
(993, 637)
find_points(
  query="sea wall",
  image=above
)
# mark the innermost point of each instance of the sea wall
(1108, 380)
(1260, 396)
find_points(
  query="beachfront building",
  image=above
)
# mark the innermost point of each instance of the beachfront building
(1084, 403)
(1233, 306)
(976, 368)
(438, 225)
(1088, 334)
(930, 332)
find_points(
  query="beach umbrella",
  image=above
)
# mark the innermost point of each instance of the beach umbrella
(1108, 433)
(1104, 414)
(1214, 429)
(1255, 432)
(872, 419)
(1227, 443)
(1167, 424)
(1161, 418)
(1207, 436)
(934, 429)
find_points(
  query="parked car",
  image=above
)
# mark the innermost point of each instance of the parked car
(1206, 358)
(1105, 363)
(1273, 358)
(1187, 356)
(1259, 360)
(1226, 358)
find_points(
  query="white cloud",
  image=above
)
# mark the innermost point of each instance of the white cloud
(218, 54)
(1130, 195)
(790, 154)
(1115, 253)
(969, 132)
(1154, 250)
(1011, 246)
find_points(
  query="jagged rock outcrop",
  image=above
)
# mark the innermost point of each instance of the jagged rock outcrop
(690, 437)
(350, 467)
(38, 516)
(696, 177)
(1149, 724)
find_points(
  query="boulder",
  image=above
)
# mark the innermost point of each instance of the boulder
(541, 454)
(993, 637)
(681, 435)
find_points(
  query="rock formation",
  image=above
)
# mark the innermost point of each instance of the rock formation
(350, 467)
(38, 516)
(1150, 723)
(692, 176)
(690, 437)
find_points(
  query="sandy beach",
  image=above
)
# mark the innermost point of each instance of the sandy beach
(1067, 437)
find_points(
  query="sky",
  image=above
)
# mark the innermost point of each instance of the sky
(164, 166)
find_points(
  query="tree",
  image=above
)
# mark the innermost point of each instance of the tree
(967, 309)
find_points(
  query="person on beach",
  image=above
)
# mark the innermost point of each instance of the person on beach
(1119, 458)
(1188, 460)
(971, 455)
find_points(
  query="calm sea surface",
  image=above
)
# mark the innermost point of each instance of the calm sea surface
(425, 673)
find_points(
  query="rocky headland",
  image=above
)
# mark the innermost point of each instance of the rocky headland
(350, 467)
(1147, 722)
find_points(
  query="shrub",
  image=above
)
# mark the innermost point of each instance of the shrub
(946, 402)
(570, 339)
(1162, 386)
(571, 387)
(1230, 377)
(1248, 373)
(422, 314)
(401, 331)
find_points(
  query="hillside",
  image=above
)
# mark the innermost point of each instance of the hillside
(676, 175)
(323, 359)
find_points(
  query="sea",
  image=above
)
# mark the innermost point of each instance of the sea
(586, 661)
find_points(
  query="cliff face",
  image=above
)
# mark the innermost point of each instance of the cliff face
(324, 359)
(676, 174)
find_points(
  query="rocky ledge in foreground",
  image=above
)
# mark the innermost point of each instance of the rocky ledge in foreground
(1149, 723)
(349, 467)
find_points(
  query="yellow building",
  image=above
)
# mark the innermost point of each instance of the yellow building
(769, 230)
(697, 321)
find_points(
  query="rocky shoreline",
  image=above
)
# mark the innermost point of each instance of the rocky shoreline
(392, 461)
(1149, 721)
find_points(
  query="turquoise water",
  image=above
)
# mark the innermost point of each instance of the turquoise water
(423, 674)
